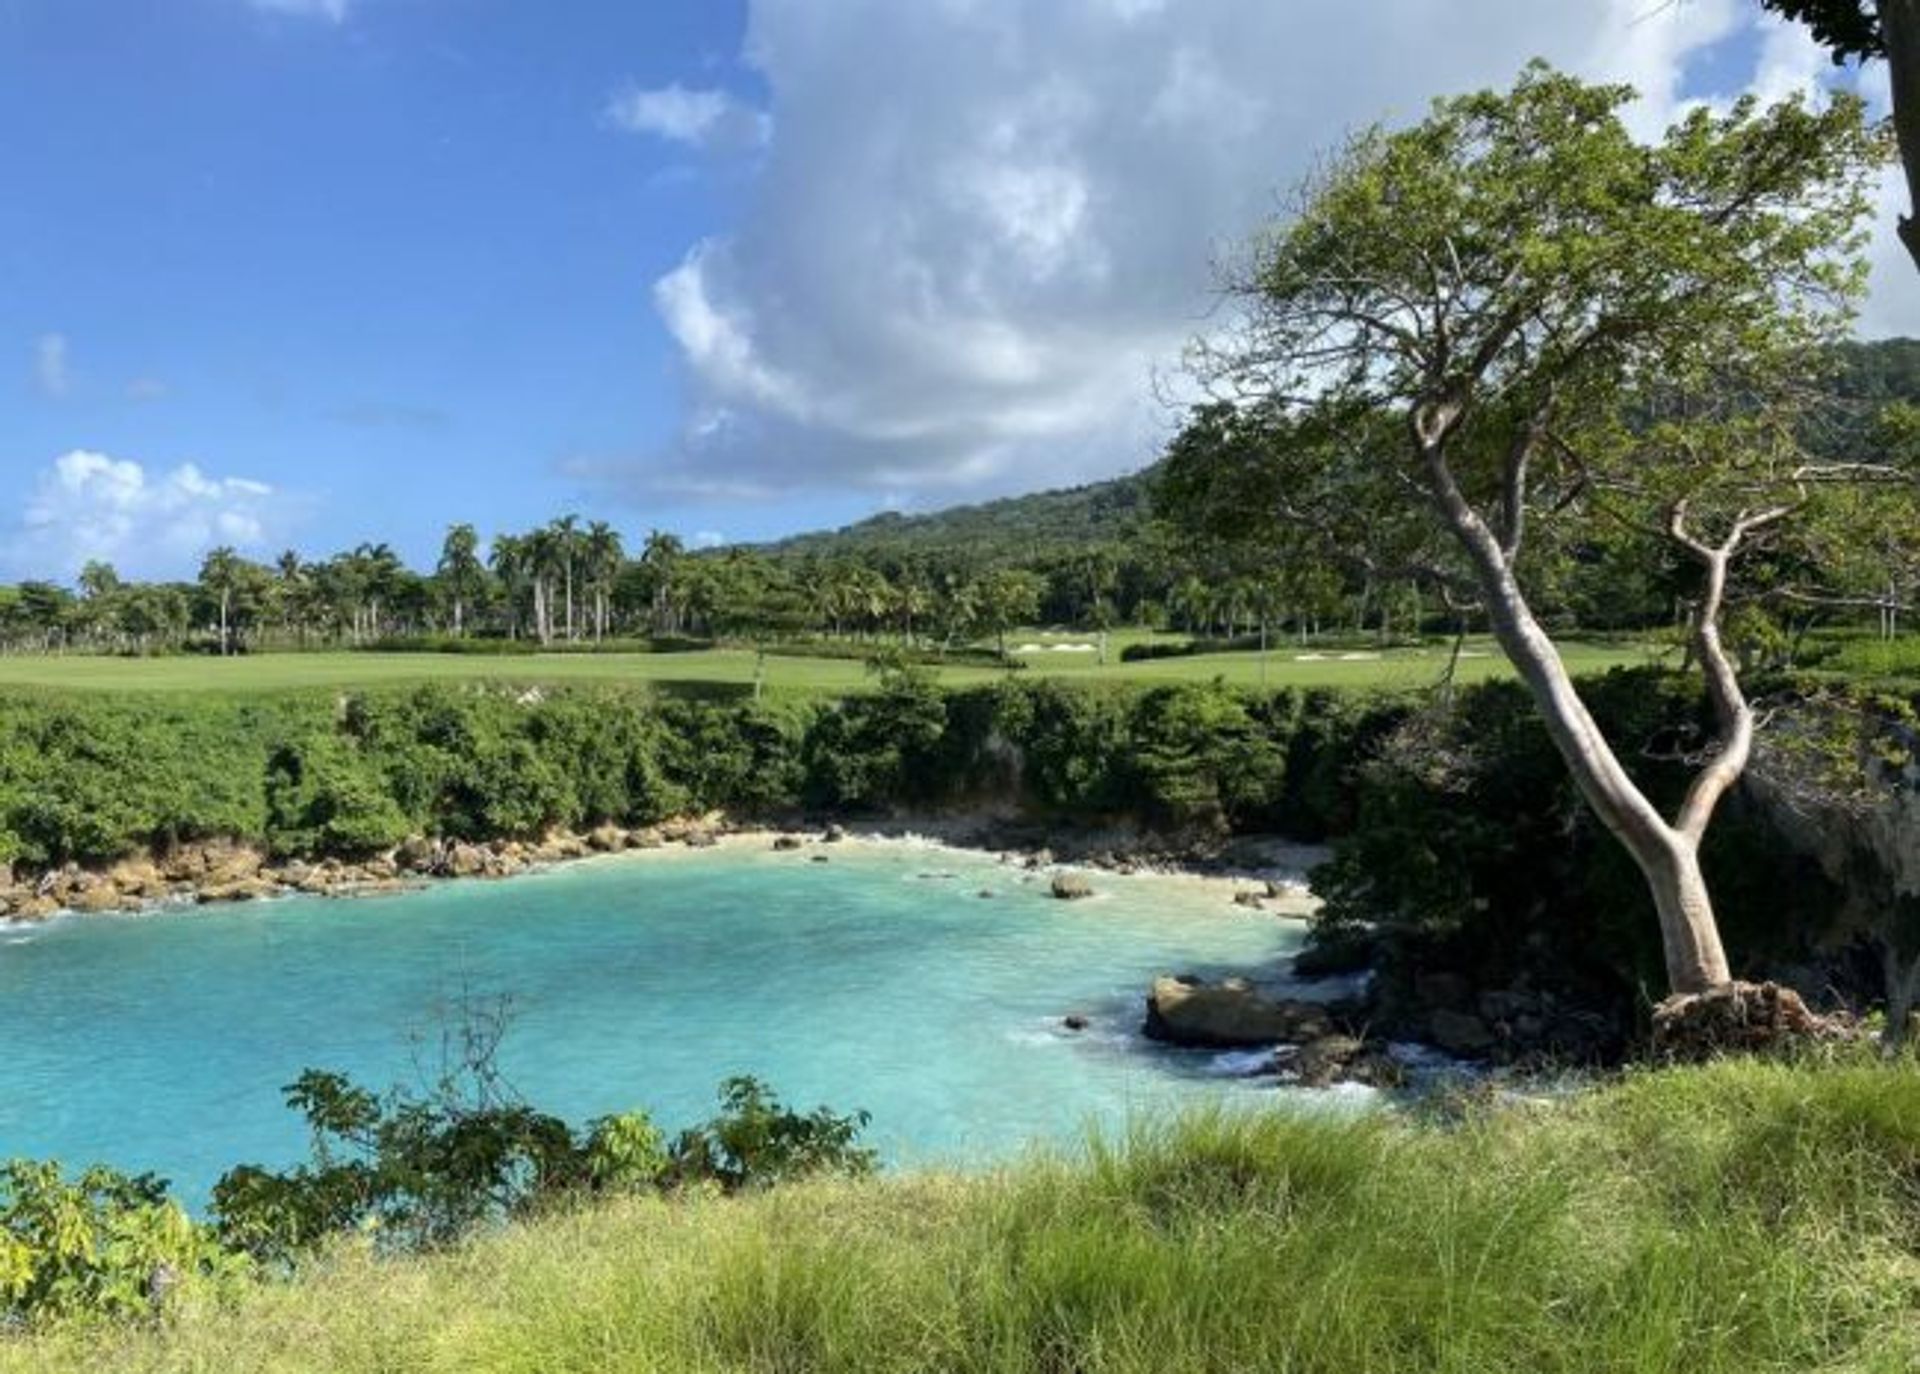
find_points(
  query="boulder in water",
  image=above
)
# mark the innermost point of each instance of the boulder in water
(1230, 1013)
(1071, 887)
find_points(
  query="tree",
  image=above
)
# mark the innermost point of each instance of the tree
(663, 556)
(1861, 29)
(1510, 323)
(1005, 598)
(220, 576)
(566, 552)
(460, 570)
(602, 557)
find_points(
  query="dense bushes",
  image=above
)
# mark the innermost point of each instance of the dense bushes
(1469, 851)
(409, 1170)
(92, 778)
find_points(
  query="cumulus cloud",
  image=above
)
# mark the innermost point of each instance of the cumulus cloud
(88, 505)
(332, 11)
(50, 373)
(707, 118)
(968, 253)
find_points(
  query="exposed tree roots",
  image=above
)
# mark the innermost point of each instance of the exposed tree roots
(1740, 1018)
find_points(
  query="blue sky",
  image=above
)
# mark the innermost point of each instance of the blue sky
(311, 272)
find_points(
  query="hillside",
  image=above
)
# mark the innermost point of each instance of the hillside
(1012, 528)
(1043, 525)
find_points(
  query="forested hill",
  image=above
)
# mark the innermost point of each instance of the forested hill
(1021, 529)
(1013, 529)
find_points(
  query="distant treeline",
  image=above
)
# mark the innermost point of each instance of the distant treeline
(1091, 556)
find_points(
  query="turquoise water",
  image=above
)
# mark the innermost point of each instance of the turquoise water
(879, 980)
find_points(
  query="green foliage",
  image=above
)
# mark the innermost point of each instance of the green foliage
(1445, 799)
(98, 1244)
(756, 1141)
(1200, 757)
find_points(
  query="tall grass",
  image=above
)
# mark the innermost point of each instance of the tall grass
(1742, 1217)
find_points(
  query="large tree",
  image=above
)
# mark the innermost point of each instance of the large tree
(460, 571)
(1861, 29)
(1484, 334)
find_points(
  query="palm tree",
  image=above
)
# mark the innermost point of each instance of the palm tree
(220, 575)
(509, 558)
(460, 571)
(602, 555)
(544, 559)
(566, 550)
(289, 574)
(662, 556)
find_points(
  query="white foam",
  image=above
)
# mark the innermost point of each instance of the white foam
(1241, 1063)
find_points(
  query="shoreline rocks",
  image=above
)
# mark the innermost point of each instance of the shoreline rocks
(1229, 1014)
(215, 871)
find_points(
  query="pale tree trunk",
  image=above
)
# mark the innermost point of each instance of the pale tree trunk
(1668, 855)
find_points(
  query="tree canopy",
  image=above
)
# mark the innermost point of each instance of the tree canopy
(1492, 341)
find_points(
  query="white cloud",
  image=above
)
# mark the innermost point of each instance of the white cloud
(703, 118)
(332, 11)
(983, 228)
(50, 371)
(89, 505)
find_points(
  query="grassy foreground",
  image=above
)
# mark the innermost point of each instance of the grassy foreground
(1284, 666)
(1742, 1217)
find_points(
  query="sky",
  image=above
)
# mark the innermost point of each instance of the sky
(311, 273)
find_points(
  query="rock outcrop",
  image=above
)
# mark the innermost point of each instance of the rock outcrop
(1070, 887)
(1229, 1014)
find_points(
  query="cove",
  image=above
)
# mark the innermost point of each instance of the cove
(880, 980)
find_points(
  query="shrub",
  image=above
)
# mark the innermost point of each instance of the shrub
(100, 1244)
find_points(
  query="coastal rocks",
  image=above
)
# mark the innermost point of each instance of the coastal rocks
(607, 839)
(1227, 1014)
(1460, 1033)
(1074, 1021)
(418, 854)
(1070, 887)
(1335, 1058)
(242, 889)
(1248, 898)
(786, 842)
(467, 861)
(833, 834)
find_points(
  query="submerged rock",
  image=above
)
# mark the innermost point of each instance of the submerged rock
(1074, 1021)
(787, 842)
(1230, 1013)
(1071, 887)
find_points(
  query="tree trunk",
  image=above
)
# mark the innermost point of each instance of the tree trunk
(1900, 27)
(1667, 855)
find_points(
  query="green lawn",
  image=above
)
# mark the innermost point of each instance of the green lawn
(1285, 666)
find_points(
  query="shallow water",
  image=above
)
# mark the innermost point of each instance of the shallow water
(880, 980)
